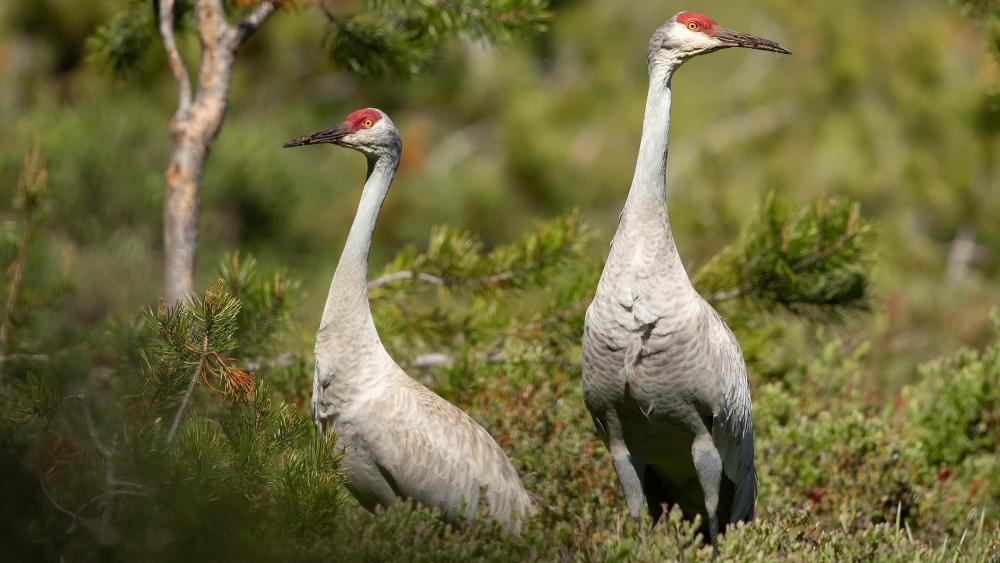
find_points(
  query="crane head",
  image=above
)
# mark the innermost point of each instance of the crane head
(689, 34)
(367, 130)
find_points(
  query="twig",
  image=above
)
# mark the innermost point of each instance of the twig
(189, 392)
(174, 57)
(112, 485)
(253, 20)
(13, 287)
(492, 279)
(431, 360)
(30, 357)
(394, 277)
(25, 357)
(830, 250)
(75, 516)
(727, 295)
(108, 495)
(436, 359)
(31, 187)
(558, 316)
(107, 453)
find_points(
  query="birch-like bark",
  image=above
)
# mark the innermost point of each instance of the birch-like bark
(194, 127)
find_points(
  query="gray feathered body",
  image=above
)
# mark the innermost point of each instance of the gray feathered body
(660, 367)
(404, 441)
(663, 376)
(401, 440)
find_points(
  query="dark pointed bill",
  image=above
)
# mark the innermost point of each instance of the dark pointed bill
(736, 39)
(328, 135)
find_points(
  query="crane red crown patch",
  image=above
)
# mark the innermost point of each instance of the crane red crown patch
(363, 118)
(696, 22)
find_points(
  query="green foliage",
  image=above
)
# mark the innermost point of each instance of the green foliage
(955, 406)
(811, 262)
(123, 42)
(494, 20)
(365, 43)
(381, 37)
(471, 302)
(166, 470)
(401, 36)
(32, 189)
(456, 259)
(265, 311)
(988, 14)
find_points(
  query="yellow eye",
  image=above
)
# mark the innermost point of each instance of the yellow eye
(693, 26)
(367, 123)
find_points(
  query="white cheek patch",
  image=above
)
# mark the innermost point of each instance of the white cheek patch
(693, 40)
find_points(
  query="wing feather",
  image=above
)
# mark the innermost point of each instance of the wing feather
(732, 430)
(440, 456)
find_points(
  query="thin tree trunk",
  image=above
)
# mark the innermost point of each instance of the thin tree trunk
(194, 126)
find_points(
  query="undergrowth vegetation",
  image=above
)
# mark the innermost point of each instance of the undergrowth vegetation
(190, 437)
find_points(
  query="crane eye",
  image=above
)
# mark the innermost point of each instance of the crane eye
(693, 26)
(367, 123)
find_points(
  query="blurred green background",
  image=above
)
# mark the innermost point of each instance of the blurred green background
(881, 102)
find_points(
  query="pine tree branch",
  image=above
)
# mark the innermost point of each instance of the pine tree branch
(837, 246)
(814, 262)
(456, 259)
(174, 59)
(804, 263)
(189, 391)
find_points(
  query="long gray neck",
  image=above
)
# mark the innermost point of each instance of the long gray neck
(646, 206)
(347, 310)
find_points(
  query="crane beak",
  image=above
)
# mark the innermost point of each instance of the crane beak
(329, 135)
(730, 38)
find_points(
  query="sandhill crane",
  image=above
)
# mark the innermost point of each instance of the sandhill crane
(402, 440)
(663, 376)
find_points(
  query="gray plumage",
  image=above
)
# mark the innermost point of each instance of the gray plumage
(402, 440)
(663, 376)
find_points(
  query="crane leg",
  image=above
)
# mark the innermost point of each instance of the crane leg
(625, 467)
(708, 465)
(628, 477)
